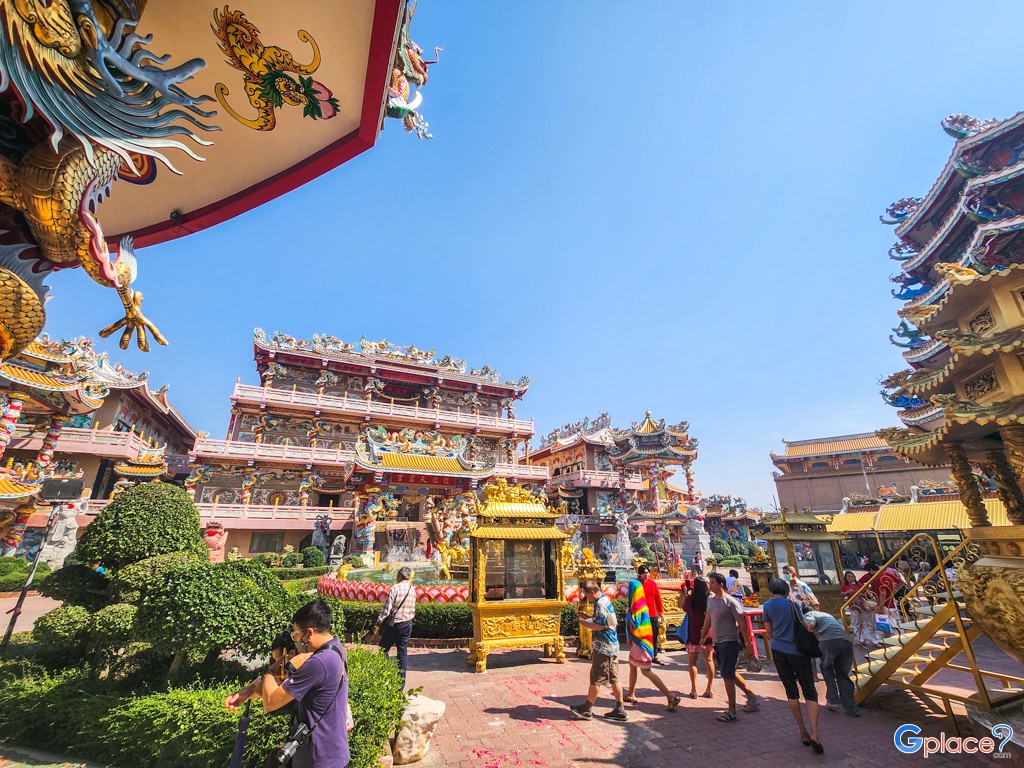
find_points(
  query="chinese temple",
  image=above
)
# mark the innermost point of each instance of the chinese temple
(652, 450)
(833, 474)
(960, 249)
(387, 441)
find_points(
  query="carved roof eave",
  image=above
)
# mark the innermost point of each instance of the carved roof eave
(930, 322)
(1006, 341)
(384, 362)
(667, 453)
(961, 145)
(600, 438)
(958, 412)
(479, 474)
(918, 357)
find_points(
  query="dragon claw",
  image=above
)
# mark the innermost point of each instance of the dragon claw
(133, 322)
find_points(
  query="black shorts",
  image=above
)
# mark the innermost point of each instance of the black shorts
(796, 673)
(727, 654)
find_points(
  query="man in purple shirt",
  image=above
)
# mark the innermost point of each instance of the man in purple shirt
(319, 685)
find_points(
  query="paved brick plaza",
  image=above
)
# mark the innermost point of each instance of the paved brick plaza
(517, 715)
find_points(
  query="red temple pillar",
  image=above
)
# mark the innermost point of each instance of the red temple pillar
(53, 430)
(8, 418)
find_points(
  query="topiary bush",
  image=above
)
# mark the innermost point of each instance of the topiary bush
(356, 561)
(131, 583)
(721, 548)
(291, 560)
(202, 610)
(64, 629)
(112, 629)
(378, 701)
(147, 520)
(442, 620)
(642, 548)
(77, 585)
(312, 557)
(14, 579)
(732, 561)
(289, 574)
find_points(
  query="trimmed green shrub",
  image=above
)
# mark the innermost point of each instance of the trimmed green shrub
(147, 520)
(720, 548)
(112, 629)
(356, 561)
(377, 698)
(267, 558)
(118, 723)
(14, 580)
(442, 620)
(288, 574)
(312, 557)
(77, 585)
(732, 561)
(642, 548)
(204, 609)
(132, 582)
(12, 564)
(65, 628)
(570, 624)
(300, 586)
(291, 560)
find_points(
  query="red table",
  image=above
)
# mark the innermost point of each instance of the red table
(752, 615)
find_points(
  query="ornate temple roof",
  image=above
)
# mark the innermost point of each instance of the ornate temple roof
(651, 440)
(596, 432)
(513, 512)
(414, 451)
(864, 442)
(12, 487)
(150, 464)
(385, 355)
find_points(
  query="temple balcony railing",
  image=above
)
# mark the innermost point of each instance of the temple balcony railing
(339, 515)
(596, 478)
(99, 442)
(234, 449)
(528, 472)
(358, 406)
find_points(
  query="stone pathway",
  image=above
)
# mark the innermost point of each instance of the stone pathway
(516, 714)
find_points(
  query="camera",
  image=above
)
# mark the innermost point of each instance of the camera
(284, 753)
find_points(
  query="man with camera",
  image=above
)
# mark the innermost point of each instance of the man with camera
(318, 684)
(396, 615)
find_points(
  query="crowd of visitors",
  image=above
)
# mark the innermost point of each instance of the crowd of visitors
(802, 639)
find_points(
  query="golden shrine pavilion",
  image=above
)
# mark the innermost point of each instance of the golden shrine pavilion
(389, 441)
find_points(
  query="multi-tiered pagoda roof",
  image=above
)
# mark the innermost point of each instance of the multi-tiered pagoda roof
(651, 440)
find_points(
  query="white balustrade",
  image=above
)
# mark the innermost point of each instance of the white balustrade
(251, 511)
(240, 450)
(363, 407)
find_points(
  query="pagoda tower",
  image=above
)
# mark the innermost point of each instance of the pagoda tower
(961, 398)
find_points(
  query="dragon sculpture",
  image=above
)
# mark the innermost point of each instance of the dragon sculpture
(409, 69)
(198, 476)
(84, 102)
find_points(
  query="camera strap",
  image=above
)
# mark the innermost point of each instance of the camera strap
(341, 682)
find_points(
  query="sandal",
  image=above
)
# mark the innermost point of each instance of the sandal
(631, 699)
(693, 695)
(706, 695)
(676, 701)
(727, 717)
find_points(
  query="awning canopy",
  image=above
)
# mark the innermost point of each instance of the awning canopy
(923, 516)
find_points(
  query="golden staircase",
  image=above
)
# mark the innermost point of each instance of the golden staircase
(931, 630)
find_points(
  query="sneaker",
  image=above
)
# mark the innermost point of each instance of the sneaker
(855, 712)
(618, 714)
(753, 704)
(832, 707)
(582, 712)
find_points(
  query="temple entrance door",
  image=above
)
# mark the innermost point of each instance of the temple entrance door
(328, 500)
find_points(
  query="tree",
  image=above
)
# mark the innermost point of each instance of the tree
(202, 610)
(643, 549)
(147, 520)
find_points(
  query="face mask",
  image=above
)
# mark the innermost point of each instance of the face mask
(300, 645)
(787, 577)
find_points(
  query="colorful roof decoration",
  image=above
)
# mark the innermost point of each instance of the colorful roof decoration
(383, 354)
(651, 440)
(150, 464)
(415, 451)
(13, 487)
(597, 431)
(922, 516)
(512, 512)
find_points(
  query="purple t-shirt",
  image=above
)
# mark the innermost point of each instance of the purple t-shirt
(315, 685)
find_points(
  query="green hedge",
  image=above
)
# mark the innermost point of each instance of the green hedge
(571, 625)
(300, 585)
(114, 722)
(14, 578)
(312, 557)
(732, 561)
(289, 574)
(78, 585)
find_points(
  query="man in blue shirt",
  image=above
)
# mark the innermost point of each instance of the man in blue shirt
(319, 685)
(604, 663)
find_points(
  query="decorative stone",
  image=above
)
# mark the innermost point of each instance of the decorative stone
(418, 723)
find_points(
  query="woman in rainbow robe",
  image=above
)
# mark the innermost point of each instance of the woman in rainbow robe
(641, 647)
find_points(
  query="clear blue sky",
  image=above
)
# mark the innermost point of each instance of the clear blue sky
(670, 206)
